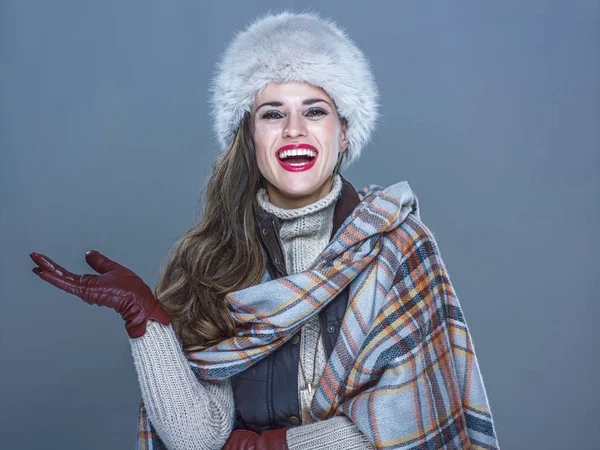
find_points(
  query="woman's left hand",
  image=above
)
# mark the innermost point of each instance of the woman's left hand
(249, 440)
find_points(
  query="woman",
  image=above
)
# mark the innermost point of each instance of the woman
(298, 313)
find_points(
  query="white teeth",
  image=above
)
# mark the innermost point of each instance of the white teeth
(297, 152)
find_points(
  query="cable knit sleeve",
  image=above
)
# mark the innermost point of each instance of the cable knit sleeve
(337, 433)
(186, 413)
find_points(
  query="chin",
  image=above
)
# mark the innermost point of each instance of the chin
(297, 193)
(300, 188)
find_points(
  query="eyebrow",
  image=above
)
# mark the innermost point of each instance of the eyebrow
(308, 101)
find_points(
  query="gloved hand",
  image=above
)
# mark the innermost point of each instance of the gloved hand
(117, 287)
(249, 440)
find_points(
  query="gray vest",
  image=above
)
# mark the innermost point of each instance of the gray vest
(266, 394)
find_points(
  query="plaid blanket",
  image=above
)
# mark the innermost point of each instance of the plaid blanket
(404, 368)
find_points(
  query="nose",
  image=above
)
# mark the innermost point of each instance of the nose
(294, 127)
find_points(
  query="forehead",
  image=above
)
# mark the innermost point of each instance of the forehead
(290, 91)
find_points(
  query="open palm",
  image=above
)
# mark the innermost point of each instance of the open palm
(116, 287)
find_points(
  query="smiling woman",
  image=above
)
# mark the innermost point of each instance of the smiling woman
(298, 138)
(298, 312)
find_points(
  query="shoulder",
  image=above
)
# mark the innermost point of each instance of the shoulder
(410, 233)
(398, 202)
(415, 236)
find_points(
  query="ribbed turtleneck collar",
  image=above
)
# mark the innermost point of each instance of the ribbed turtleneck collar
(304, 231)
(262, 197)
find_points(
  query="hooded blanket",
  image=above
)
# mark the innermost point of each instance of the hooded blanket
(404, 368)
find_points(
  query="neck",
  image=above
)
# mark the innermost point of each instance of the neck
(329, 199)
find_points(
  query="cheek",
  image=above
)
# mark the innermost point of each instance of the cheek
(262, 146)
(331, 134)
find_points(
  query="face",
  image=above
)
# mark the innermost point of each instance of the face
(301, 118)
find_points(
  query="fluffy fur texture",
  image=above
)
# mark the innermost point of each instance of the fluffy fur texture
(295, 47)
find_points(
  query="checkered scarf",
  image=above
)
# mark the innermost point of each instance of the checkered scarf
(404, 368)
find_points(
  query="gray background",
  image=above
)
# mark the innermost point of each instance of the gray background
(490, 110)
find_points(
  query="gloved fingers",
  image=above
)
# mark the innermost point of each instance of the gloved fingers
(60, 281)
(60, 277)
(48, 265)
(101, 263)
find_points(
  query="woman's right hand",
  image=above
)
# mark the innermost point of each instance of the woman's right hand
(116, 287)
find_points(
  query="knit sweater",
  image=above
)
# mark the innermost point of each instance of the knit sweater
(304, 233)
(192, 414)
(186, 413)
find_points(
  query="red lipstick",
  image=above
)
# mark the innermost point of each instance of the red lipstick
(299, 168)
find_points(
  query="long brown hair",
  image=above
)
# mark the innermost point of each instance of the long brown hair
(220, 254)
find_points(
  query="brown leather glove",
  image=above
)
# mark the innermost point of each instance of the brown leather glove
(249, 440)
(117, 287)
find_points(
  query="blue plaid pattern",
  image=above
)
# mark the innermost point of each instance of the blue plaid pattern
(404, 367)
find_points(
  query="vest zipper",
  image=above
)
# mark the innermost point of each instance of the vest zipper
(280, 246)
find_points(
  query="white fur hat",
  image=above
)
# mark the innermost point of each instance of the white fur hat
(295, 47)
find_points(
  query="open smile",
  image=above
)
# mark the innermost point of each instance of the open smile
(297, 157)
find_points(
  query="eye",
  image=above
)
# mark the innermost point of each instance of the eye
(316, 112)
(271, 115)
